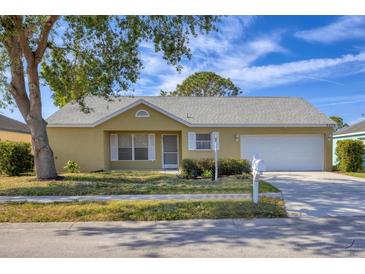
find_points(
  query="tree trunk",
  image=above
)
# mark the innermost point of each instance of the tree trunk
(43, 154)
(30, 106)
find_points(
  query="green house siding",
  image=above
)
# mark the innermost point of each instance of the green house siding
(354, 136)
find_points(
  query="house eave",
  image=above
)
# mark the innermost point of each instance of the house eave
(349, 134)
(211, 125)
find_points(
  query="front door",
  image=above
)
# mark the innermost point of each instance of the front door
(170, 152)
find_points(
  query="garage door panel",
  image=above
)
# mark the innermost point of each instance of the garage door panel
(285, 152)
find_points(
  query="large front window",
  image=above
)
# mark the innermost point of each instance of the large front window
(140, 147)
(203, 141)
(132, 147)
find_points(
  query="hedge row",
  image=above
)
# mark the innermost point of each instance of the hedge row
(192, 168)
(350, 155)
(16, 158)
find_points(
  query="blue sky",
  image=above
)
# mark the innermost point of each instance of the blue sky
(319, 58)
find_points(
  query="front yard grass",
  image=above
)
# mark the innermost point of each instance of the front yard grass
(125, 182)
(140, 210)
(355, 174)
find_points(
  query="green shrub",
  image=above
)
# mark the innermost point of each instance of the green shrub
(205, 165)
(16, 158)
(72, 167)
(207, 174)
(192, 168)
(233, 167)
(350, 155)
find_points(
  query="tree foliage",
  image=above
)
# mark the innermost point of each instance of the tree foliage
(100, 55)
(205, 83)
(339, 122)
(77, 56)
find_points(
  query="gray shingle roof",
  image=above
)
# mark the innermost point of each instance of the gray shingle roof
(8, 124)
(195, 111)
(358, 127)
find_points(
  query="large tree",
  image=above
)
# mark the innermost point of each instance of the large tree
(339, 122)
(205, 83)
(77, 56)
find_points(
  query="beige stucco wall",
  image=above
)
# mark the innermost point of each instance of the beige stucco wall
(15, 136)
(230, 148)
(83, 145)
(90, 146)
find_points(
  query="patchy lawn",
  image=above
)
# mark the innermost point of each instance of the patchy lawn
(355, 174)
(140, 210)
(125, 182)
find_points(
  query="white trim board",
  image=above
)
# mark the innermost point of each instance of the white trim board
(348, 134)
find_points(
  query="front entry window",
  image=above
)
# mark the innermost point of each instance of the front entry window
(125, 147)
(140, 147)
(132, 147)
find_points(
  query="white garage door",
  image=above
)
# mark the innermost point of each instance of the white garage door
(285, 152)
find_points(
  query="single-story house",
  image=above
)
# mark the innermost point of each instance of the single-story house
(354, 132)
(157, 132)
(13, 130)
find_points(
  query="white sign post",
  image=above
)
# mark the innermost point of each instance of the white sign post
(258, 166)
(215, 158)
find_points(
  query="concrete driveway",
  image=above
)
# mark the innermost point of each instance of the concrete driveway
(320, 194)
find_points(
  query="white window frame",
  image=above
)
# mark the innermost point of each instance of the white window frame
(133, 147)
(139, 115)
(210, 141)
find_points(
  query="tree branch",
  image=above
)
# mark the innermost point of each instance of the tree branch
(23, 39)
(17, 85)
(43, 38)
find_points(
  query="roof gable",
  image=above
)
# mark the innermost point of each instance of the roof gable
(140, 101)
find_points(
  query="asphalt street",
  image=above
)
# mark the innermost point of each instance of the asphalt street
(288, 237)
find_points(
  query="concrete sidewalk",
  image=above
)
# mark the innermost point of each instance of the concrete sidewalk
(99, 198)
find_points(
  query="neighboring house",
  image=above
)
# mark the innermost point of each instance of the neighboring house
(13, 130)
(158, 132)
(354, 132)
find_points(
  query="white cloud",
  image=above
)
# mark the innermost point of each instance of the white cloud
(231, 53)
(271, 75)
(344, 28)
(339, 100)
(210, 52)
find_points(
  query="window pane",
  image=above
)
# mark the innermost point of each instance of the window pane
(202, 144)
(141, 154)
(140, 141)
(170, 158)
(125, 141)
(170, 143)
(125, 153)
(203, 137)
(142, 113)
